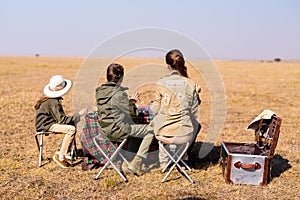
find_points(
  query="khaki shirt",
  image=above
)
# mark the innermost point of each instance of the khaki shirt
(175, 106)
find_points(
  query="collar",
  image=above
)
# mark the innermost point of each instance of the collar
(110, 84)
(113, 84)
(175, 72)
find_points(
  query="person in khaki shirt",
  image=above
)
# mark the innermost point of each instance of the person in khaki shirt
(175, 106)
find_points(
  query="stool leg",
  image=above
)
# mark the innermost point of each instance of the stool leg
(37, 141)
(41, 150)
(73, 152)
(75, 148)
(72, 156)
(175, 159)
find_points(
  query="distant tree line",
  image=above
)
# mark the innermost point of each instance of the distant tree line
(275, 60)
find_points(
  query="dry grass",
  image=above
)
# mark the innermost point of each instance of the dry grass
(250, 88)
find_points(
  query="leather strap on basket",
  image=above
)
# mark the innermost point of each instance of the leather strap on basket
(257, 137)
(247, 166)
(267, 140)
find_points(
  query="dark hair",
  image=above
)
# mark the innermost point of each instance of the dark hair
(114, 73)
(175, 59)
(40, 101)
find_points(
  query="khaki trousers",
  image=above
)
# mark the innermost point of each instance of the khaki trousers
(69, 132)
(163, 157)
(142, 131)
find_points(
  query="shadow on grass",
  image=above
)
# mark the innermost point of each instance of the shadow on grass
(212, 158)
(279, 165)
(80, 152)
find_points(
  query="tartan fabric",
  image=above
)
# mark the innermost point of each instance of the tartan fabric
(91, 129)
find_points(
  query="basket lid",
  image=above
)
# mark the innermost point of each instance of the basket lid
(266, 114)
(267, 128)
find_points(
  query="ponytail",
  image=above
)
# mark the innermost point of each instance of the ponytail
(175, 59)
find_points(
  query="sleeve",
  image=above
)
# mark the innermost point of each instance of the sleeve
(60, 117)
(133, 110)
(196, 101)
(125, 105)
(156, 101)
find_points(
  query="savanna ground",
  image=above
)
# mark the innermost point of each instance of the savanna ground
(250, 87)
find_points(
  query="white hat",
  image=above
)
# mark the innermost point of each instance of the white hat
(57, 86)
(266, 114)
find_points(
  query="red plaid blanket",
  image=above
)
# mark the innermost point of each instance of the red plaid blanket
(91, 129)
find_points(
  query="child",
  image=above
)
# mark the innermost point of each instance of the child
(50, 116)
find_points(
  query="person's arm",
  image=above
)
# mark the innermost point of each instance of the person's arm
(196, 101)
(198, 88)
(126, 105)
(133, 110)
(156, 101)
(60, 117)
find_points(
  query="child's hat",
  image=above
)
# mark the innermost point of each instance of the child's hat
(57, 86)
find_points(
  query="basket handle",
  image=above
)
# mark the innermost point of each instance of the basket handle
(254, 166)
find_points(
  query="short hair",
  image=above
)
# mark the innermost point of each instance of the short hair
(114, 73)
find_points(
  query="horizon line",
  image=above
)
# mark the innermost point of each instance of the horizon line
(153, 57)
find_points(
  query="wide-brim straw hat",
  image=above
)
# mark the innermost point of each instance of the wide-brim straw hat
(266, 114)
(57, 86)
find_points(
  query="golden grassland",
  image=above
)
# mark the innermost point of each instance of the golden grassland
(250, 88)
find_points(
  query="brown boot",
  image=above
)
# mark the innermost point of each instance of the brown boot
(124, 168)
(136, 165)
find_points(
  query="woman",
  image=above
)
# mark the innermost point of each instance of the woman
(51, 117)
(115, 113)
(175, 106)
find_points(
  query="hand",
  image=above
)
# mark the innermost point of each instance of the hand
(135, 97)
(83, 111)
(198, 88)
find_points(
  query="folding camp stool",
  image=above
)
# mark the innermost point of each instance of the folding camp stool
(115, 152)
(175, 152)
(40, 146)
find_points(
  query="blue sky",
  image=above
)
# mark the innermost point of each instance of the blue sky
(227, 29)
